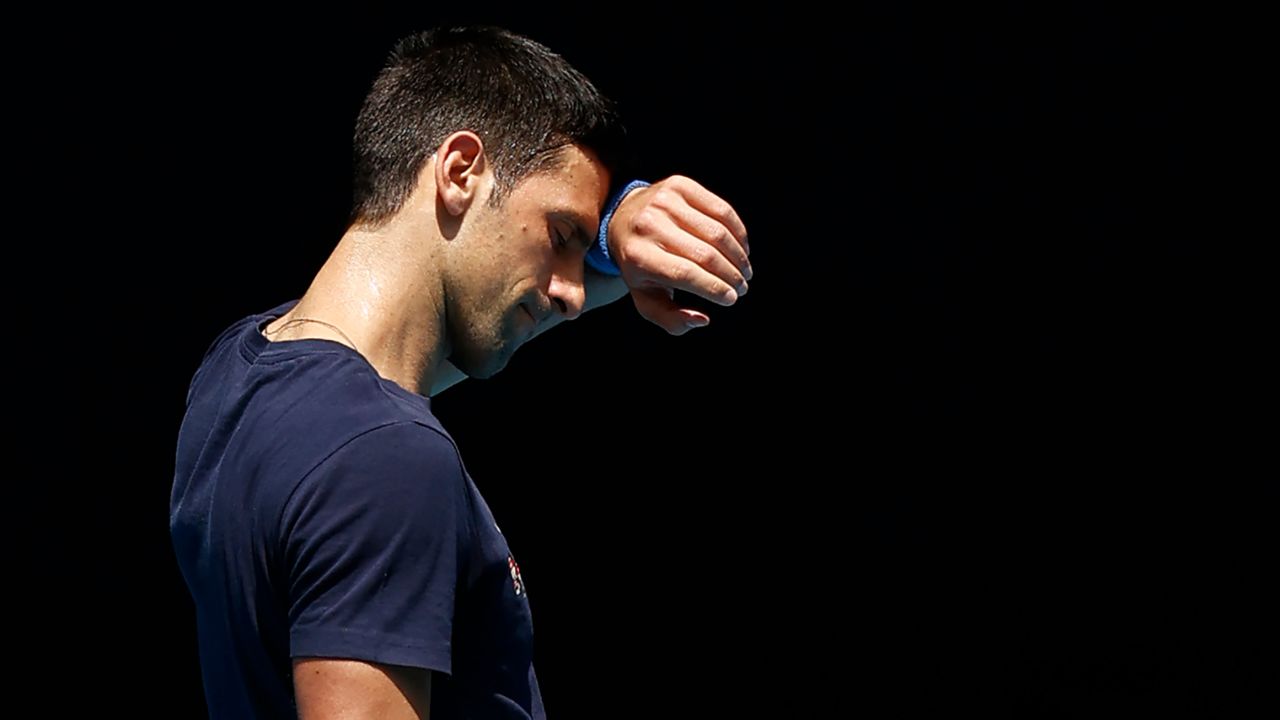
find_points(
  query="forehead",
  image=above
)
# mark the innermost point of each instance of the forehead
(577, 181)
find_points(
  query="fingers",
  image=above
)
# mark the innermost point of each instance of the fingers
(677, 235)
(712, 234)
(688, 244)
(658, 266)
(710, 204)
(701, 246)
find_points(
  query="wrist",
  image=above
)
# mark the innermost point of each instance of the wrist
(599, 257)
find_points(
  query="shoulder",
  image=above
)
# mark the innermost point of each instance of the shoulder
(318, 407)
(243, 325)
(214, 361)
(409, 447)
(396, 472)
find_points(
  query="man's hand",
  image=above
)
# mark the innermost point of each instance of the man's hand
(677, 235)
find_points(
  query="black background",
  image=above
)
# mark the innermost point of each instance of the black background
(962, 446)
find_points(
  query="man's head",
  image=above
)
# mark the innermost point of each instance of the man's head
(511, 151)
(522, 100)
(512, 265)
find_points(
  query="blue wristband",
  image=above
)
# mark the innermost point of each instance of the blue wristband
(598, 257)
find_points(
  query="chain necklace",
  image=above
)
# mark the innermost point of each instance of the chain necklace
(295, 321)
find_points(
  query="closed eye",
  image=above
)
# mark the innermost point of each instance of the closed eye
(576, 224)
(558, 239)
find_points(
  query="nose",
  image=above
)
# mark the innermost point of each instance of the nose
(567, 290)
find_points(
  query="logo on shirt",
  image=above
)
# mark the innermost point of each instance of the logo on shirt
(515, 575)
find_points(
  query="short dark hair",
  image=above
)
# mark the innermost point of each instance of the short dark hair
(524, 101)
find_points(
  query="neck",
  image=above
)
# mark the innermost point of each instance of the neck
(384, 289)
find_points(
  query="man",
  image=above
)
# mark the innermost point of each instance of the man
(342, 562)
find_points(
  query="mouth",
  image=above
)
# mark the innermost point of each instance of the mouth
(524, 331)
(537, 317)
(533, 323)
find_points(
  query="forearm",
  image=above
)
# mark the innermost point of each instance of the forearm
(600, 289)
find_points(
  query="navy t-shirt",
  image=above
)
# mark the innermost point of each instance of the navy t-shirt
(320, 510)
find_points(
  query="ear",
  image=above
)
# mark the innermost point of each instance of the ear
(460, 170)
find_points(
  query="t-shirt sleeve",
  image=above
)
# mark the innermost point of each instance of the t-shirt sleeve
(371, 546)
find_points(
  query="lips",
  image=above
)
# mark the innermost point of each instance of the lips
(538, 317)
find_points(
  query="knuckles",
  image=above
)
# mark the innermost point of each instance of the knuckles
(702, 255)
(645, 222)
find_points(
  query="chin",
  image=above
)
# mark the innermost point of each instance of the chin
(484, 365)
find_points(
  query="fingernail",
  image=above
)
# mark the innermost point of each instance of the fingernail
(697, 322)
(733, 297)
(748, 272)
(742, 289)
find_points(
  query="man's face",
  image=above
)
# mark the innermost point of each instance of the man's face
(522, 262)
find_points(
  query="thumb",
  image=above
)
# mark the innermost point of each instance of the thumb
(657, 306)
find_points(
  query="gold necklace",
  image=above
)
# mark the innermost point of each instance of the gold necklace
(294, 321)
